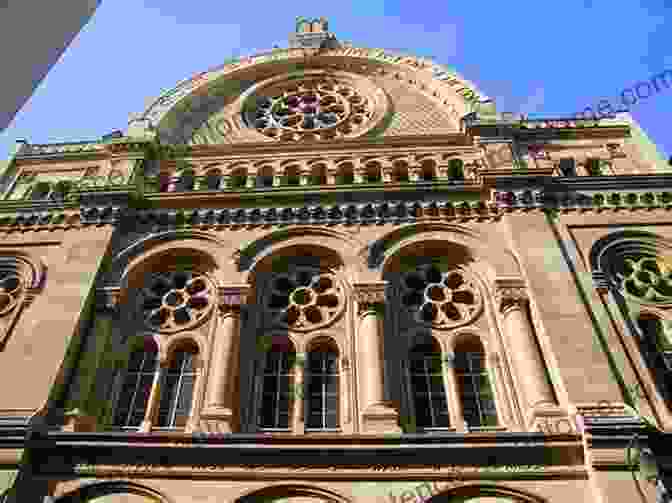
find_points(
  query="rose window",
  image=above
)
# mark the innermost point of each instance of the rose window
(647, 278)
(304, 298)
(10, 291)
(176, 300)
(319, 109)
(440, 298)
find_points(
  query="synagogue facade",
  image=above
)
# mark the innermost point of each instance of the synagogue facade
(328, 273)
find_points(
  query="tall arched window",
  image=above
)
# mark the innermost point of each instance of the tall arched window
(427, 386)
(276, 384)
(473, 382)
(136, 387)
(178, 389)
(657, 351)
(322, 389)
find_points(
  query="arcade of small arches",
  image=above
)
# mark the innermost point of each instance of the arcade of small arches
(268, 175)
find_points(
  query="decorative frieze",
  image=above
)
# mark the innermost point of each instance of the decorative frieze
(379, 472)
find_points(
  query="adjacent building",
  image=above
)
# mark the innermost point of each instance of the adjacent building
(328, 273)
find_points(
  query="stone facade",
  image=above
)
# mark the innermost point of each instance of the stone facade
(329, 273)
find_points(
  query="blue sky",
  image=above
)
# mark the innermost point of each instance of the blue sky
(550, 58)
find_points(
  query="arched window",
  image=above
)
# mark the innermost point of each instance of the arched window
(456, 169)
(473, 382)
(213, 179)
(427, 386)
(593, 167)
(657, 351)
(177, 390)
(185, 180)
(40, 191)
(60, 191)
(238, 179)
(322, 389)
(276, 383)
(136, 386)
(567, 167)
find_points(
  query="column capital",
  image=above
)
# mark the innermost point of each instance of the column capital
(370, 296)
(232, 297)
(510, 292)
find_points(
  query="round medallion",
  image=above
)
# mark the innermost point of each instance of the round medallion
(304, 299)
(440, 299)
(176, 300)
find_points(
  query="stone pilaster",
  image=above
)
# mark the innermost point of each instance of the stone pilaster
(221, 412)
(539, 400)
(377, 414)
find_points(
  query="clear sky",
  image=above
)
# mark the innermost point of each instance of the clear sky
(549, 58)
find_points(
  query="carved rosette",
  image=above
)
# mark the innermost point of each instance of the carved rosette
(370, 297)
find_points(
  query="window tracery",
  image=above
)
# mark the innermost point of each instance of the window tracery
(176, 300)
(646, 278)
(305, 298)
(440, 298)
(311, 109)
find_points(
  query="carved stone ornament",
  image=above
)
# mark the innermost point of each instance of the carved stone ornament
(509, 293)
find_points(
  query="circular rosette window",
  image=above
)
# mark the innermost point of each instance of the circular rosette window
(11, 288)
(176, 300)
(314, 108)
(304, 299)
(440, 299)
(647, 278)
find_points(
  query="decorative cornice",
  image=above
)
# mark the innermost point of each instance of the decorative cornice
(371, 213)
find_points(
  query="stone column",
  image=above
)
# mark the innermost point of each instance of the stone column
(539, 399)
(221, 410)
(378, 415)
